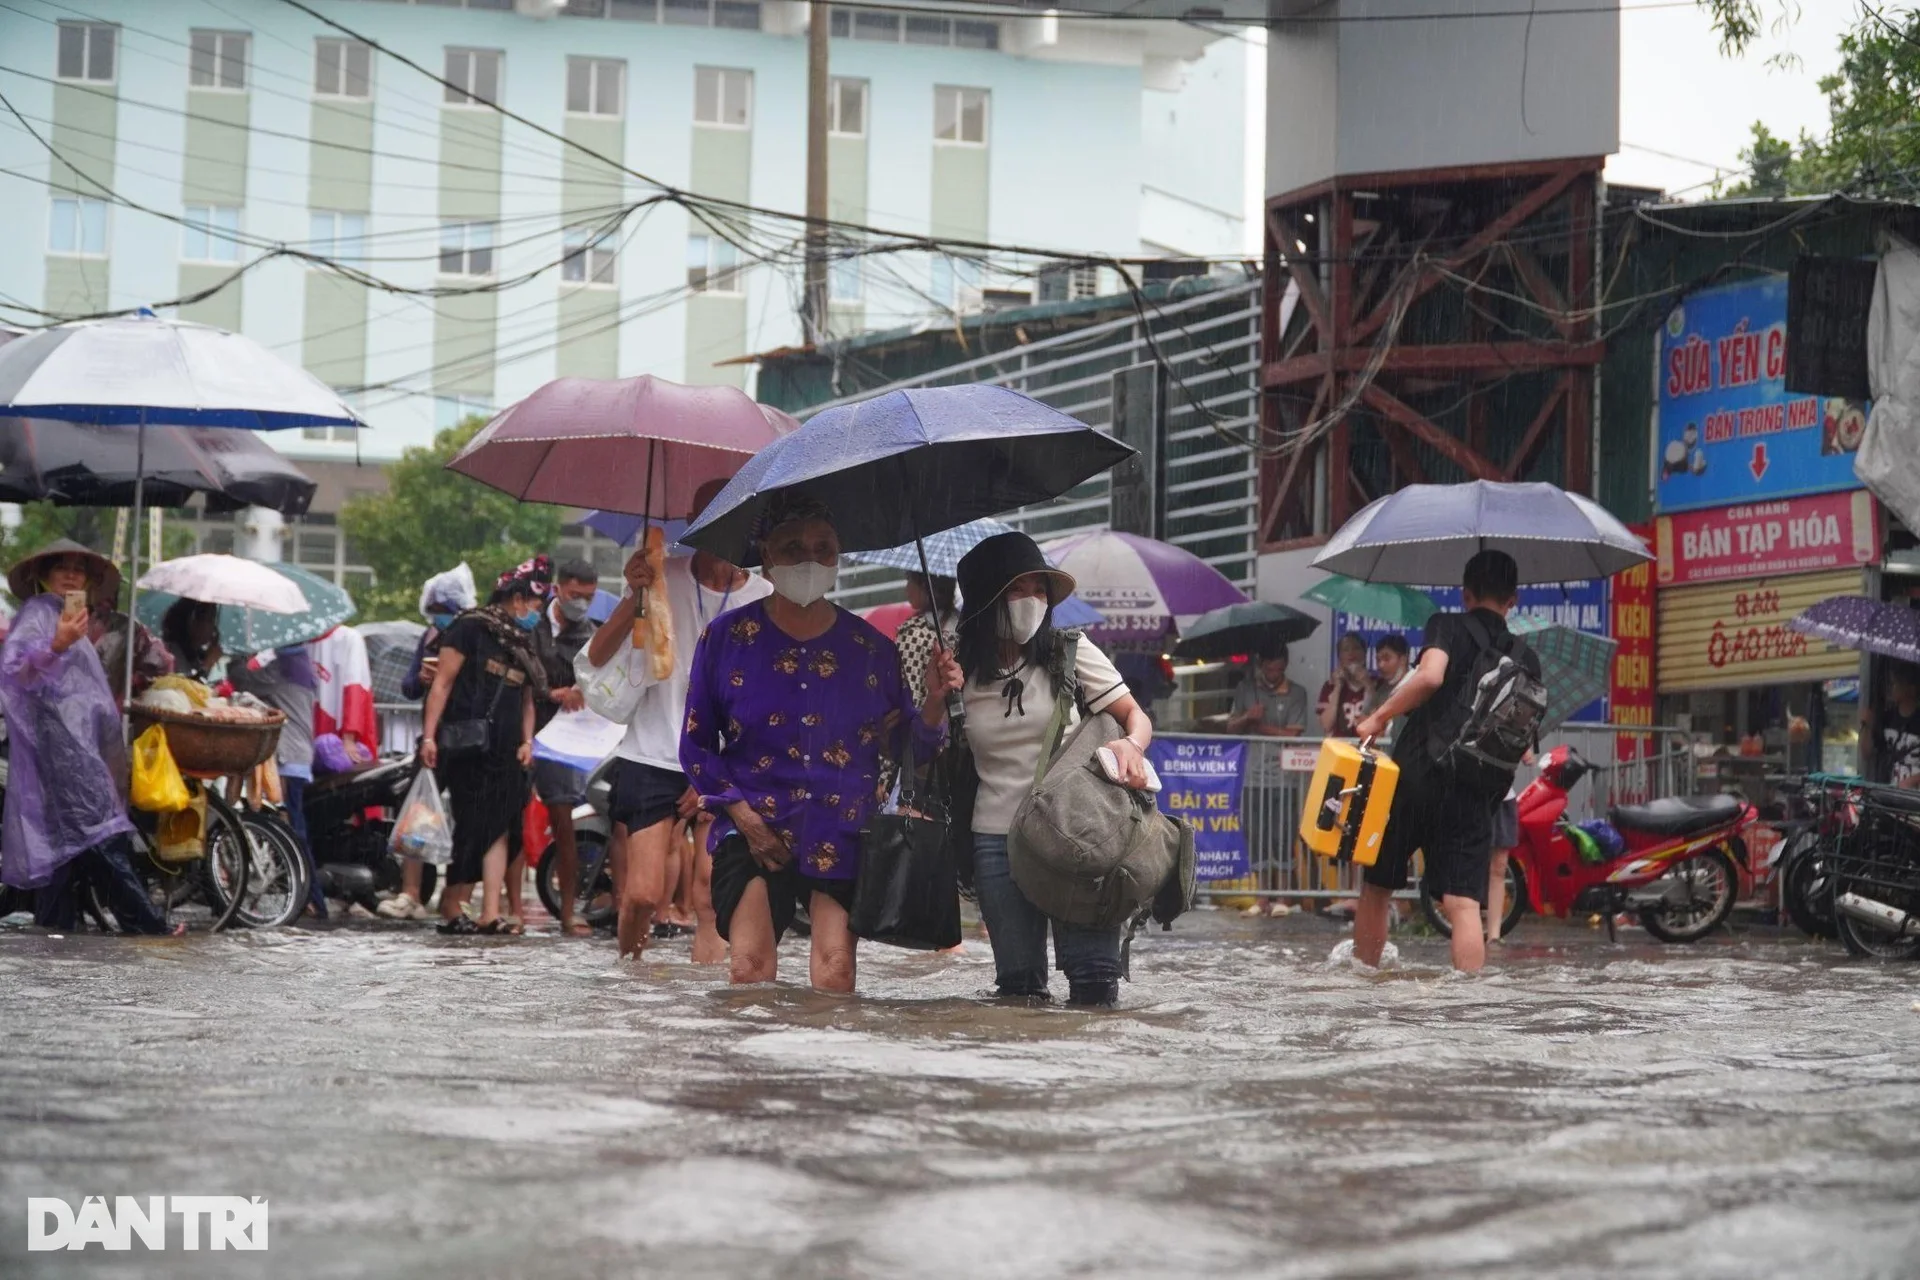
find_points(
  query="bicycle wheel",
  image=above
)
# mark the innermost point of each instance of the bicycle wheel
(277, 880)
(229, 860)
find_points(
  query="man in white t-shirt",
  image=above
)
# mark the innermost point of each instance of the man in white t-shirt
(652, 803)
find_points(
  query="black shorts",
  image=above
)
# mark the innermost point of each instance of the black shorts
(644, 795)
(1453, 826)
(734, 869)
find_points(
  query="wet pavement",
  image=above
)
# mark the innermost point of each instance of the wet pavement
(425, 1107)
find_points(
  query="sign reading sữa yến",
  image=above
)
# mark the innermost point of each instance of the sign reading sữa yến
(1730, 635)
(1767, 539)
(1200, 785)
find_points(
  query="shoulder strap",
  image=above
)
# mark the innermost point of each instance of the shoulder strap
(1063, 699)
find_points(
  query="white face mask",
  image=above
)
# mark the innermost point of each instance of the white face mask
(805, 582)
(1023, 619)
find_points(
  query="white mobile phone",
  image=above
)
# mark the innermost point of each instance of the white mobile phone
(1110, 766)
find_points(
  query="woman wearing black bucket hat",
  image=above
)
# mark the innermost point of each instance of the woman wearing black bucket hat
(1014, 666)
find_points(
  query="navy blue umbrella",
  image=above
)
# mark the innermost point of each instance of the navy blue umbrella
(906, 464)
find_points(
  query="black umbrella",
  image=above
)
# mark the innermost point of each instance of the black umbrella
(1254, 627)
(82, 464)
(906, 464)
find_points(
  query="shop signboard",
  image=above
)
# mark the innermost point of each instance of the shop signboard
(1767, 539)
(1630, 694)
(1735, 635)
(1728, 430)
(1580, 605)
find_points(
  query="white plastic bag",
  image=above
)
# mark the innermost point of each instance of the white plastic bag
(422, 830)
(613, 691)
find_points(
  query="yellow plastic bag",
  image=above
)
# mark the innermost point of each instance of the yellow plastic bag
(157, 784)
(182, 836)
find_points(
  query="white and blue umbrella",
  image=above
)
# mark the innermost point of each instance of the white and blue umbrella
(1426, 533)
(140, 371)
(944, 549)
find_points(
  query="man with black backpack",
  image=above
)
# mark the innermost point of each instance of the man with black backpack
(1473, 707)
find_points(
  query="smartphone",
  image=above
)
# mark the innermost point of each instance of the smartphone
(1110, 766)
(76, 604)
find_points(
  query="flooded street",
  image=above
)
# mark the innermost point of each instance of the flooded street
(425, 1107)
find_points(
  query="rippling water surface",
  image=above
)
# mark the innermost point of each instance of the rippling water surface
(414, 1106)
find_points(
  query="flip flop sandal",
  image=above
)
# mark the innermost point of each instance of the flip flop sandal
(459, 926)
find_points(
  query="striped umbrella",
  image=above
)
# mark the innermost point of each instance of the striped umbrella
(944, 549)
(1574, 665)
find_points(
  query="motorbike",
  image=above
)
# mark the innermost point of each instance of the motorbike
(1675, 863)
(593, 837)
(350, 820)
(1875, 875)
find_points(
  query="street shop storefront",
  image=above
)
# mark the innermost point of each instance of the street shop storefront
(1758, 516)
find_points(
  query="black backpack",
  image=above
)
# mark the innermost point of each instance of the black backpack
(1494, 717)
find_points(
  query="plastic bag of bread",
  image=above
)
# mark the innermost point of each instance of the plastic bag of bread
(653, 620)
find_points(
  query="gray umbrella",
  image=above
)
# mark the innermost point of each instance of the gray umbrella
(1425, 534)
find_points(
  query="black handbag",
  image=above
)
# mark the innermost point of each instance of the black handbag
(470, 739)
(908, 894)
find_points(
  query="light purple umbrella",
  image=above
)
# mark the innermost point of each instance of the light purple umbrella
(1855, 622)
(1148, 590)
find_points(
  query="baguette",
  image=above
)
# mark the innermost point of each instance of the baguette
(653, 623)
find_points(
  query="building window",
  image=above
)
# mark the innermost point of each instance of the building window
(336, 435)
(891, 28)
(846, 278)
(723, 96)
(960, 116)
(596, 86)
(87, 51)
(589, 257)
(77, 227)
(451, 411)
(339, 236)
(473, 77)
(713, 265)
(740, 15)
(466, 248)
(212, 234)
(954, 281)
(218, 60)
(342, 69)
(847, 108)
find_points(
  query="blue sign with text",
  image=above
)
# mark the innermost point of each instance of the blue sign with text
(1729, 431)
(1200, 784)
(1580, 605)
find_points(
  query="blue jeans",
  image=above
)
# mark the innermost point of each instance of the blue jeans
(294, 791)
(1018, 930)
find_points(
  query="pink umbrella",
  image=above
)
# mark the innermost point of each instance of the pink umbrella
(641, 445)
(887, 618)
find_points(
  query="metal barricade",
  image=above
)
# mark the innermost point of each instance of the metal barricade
(1276, 772)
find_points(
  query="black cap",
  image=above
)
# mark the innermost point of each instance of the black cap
(992, 565)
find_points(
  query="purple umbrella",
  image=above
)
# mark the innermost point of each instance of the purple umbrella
(1147, 590)
(1855, 622)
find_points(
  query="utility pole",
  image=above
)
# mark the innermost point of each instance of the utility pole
(818, 83)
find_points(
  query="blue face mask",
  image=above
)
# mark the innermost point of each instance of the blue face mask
(529, 620)
(441, 620)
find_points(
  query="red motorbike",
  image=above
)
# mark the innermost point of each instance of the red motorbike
(1675, 863)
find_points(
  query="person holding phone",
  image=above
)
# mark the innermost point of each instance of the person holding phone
(66, 823)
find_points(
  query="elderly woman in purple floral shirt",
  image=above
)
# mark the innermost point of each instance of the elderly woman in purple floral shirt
(791, 704)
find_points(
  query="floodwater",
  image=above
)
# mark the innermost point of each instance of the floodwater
(424, 1107)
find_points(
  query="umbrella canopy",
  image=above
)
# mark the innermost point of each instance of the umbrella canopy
(253, 631)
(1382, 601)
(1075, 612)
(1426, 533)
(1258, 627)
(639, 445)
(906, 463)
(887, 619)
(1146, 589)
(136, 369)
(87, 465)
(625, 529)
(1574, 665)
(390, 649)
(219, 579)
(944, 549)
(1856, 622)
